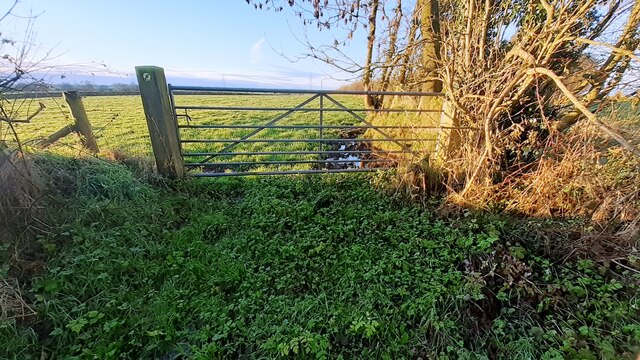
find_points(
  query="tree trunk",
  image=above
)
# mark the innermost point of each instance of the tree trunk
(391, 51)
(411, 45)
(483, 33)
(471, 14)
(369, 100)
(430, 30)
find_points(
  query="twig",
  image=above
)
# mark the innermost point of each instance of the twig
(615, 49)
(625, 266)
(28, 119)
(583, 109)
(22, 303)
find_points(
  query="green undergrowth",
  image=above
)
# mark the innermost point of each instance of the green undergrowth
(298, 267)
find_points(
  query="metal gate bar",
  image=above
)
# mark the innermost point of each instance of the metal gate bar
(355, 154)
(299, 110)
(289, 172)
(187, 154)
(237, 141)
(285, 162)
(276, 119)
(316, 127)
(195, 90)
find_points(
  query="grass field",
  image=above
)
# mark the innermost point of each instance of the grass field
(134, 267)
(224, 117)
(119, 125)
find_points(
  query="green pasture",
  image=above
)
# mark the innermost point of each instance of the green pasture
(334, 266)
(119, 125)
(260, 117)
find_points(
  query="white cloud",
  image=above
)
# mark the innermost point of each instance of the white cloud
(280, 78)
(256, 53)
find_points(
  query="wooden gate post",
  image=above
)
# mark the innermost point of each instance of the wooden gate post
(448, 135)
(163, 127)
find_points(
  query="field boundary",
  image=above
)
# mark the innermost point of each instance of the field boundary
(58, 94)
(167, 121)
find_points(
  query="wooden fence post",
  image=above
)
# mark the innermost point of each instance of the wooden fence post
(163, 127)
(82, 125)
(448, 135)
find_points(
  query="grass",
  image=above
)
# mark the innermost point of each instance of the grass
(293, 267)
(222, 117)
(119, 125)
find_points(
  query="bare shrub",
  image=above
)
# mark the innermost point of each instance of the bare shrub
(582, 174)
(21, 64)
(12, 304)
(21, 186)
(523, 73)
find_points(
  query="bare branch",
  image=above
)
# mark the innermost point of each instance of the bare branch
(28, 119)
(583, 109)
(614, 48)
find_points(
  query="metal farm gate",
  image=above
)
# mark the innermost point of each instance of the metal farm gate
(213, 131)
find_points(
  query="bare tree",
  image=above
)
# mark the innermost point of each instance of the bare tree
(20, 64)
(499, 62)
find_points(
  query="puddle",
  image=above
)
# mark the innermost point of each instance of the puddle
(345, 154)
(348, 153)
(351, 160)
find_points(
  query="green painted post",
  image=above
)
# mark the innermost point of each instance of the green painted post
(163, 127)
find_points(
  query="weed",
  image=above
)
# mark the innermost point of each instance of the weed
(322, 267)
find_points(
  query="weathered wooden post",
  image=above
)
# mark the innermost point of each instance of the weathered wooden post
(82, 125)
(448, 134)
(163, 127)
(64, 131)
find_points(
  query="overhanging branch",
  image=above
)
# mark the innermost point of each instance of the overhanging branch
(583, 109)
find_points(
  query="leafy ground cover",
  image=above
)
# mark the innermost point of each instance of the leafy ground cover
(133, 266)
(310, 267)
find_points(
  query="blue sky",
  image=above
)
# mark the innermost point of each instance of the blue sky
(214, 40)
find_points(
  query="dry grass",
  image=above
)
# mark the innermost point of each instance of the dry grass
(12, 304)
(142, 166)
(20, 187)
(354, 86)
(581, 175)
(411, 121)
